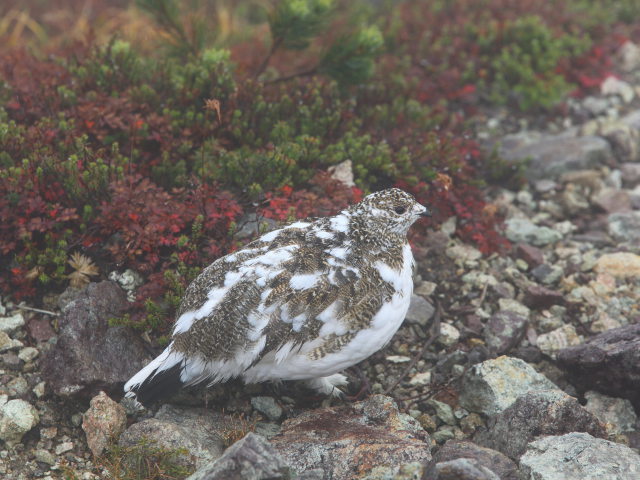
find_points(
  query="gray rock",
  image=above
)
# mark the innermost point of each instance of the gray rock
(629, 56)
(90, 355)
(522, 230)
(504, 330)
(493, 385)
(617, 413)
(595, 105)
(547, 274)
(352, 440)
(579, 456)
(460, 469)
(17, 417)
(496, 462)
(608, 362)
(420, 311)
(12, 323)
(268, 406)
(104, 421)
(625, 226)
(612, 200)
(252, 458)
(200, 431)
(551, 156)
(630, 174)
(546, 412)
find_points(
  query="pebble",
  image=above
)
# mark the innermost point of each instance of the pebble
(493, 385)
(620, 88)
(420, 311)
(64, 447)
(28, 353)
(44, 456)
(267, 406)
(449, 335)
(17, 417)
(419, 379)
(7, 343)
(616, 413)
(12, 323)
(625, 226)
(443, 411)
(558, 339)
(619, 264)
(522, 230)
(398, 358)
(39, 389)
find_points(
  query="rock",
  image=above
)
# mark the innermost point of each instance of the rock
(558, 339)
(200, 431)
(44, 456)
(530, 254)
(89, 355)
(525, 231)
(547, 274)
(128, 280)
(619, 264)
(496, 462)
(620, 88)
(104, 421)
(616, 413)
(551, 156)
(460, 469)
(28, 353)
(64, 447)
(545, 412)
(443, 411)
(595, 105)
(608, 362)
(267, 406)
(420, 311)
(630, 174)
(7, 343)
(629, 56)
(419, 379)
(252, 458)
(611, 200)
(343, 172)
(40, 329)
(12, 323)
(493, 385)
(449, 335)
(17, 417)
(539, 297)
(504, 330)
(350, 441)
(625, 226)
(579, 456)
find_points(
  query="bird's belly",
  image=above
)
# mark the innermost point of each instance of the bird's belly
(299, 366)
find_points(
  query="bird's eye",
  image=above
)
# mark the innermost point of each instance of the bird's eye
(399, 210)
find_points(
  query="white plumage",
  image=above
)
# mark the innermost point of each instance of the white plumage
(300, 303)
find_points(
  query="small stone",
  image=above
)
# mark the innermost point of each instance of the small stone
(595, 105)
(17, 417)
(525, 231)
(12, 323)
(64, 447)
(620, 88)
(530, 254)
(425, 289)
(48, 433)
(267, 406)
(27, 354)
(471, 423)
(509, 304)
(420, 311)
(443, 411)
(427, 422)
(503, 467)
(463, 253)
(18, 387)
(578, 456)
(343, 172)
(619, 264)
(449, 335)
(629, 56)
(7, 343)
(398, 358)
(630, 174)
(104, 421)
(556, 340)
(611, 200)
(44, 456)
(419, 379)
(616, 413)
(493, 385)
(625, 226)
(547, 274)
(541, 297)
(504, 330)
(444, 433)
(267, 430)
(603, 323)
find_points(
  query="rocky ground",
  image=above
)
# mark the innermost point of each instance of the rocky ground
(534, 373)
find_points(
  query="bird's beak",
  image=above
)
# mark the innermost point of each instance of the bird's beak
(426, 212)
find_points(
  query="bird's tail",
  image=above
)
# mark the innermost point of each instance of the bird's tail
(162, 377)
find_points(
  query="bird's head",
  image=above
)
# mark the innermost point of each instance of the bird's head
(392, 210)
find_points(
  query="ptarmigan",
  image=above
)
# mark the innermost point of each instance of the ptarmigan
(299, 303)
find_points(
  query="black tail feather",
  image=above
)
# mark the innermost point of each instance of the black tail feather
(159, 385)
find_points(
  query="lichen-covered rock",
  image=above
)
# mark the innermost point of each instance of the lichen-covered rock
(252, 458)
(493, 385)
(496, 462)
(104, 421)
(504, 330)
(546, 412)
(616, 413)
(350, 441)
(89, 355)
(578, 456)
(17, 417)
